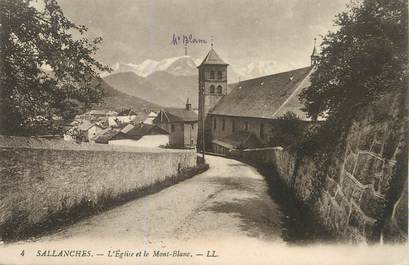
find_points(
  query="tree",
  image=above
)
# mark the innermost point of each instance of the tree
(48, 70)
(363, 60)
(287, 130)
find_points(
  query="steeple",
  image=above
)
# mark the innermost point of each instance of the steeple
(188, 105)
(314, 55)
(212, 58)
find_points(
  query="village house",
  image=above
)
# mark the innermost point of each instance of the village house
(106, 135)
(150, 117)
(141, 135)
(85, 131)
(181, 125)
(92, 115)
(126, 116)
(97, 113)
(246, 117)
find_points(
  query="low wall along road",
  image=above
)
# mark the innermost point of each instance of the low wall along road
(41, 178)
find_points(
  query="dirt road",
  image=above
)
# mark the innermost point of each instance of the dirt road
(230, 199)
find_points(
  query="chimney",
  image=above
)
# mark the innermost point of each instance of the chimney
(188, 105)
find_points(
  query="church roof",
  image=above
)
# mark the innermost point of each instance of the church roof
(212, 58)
(266, 97)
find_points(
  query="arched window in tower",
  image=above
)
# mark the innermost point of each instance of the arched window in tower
(211, 74)
(219, 75)
(212, 89)
(219, 89)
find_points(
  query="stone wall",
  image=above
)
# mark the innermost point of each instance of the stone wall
(39, 178)
(275, 155)
(363, 196)
(365, 184)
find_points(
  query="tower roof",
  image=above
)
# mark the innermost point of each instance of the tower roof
(314, 50)
(212, 58)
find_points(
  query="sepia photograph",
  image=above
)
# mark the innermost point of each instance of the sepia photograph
(204, 132)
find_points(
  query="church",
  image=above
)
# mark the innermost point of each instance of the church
(245, 117)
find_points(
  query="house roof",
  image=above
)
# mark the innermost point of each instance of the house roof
(127, 128)
(97, 112)
(241, 139)
(141, 117)
(105, 136)
(127, 112)
(140, 130)
(212, 58)
(266, 97)
(85, 125)
(112, 113)
(152, 114)
(176, 115)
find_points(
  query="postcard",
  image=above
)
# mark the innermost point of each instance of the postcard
(204, 132)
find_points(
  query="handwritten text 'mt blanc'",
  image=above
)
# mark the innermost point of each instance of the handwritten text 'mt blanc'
(186, 39)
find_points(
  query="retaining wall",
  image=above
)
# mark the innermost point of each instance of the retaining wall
(363, 197)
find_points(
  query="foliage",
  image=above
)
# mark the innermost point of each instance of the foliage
(47, 67)
(287, 130)
(365, 59)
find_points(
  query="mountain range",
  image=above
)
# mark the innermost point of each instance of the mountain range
(179, 66)
(187, 66)
(171, 81)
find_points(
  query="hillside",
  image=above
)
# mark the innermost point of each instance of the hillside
(115, 100)
(181, 87)
(134, 85)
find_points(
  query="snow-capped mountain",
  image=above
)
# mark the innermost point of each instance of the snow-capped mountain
(263, 68)
(180, 66)
(257, 69)
(186, 66)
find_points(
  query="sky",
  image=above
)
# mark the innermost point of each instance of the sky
(244, 31)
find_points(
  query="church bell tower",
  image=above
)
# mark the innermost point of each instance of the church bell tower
(212, 87)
